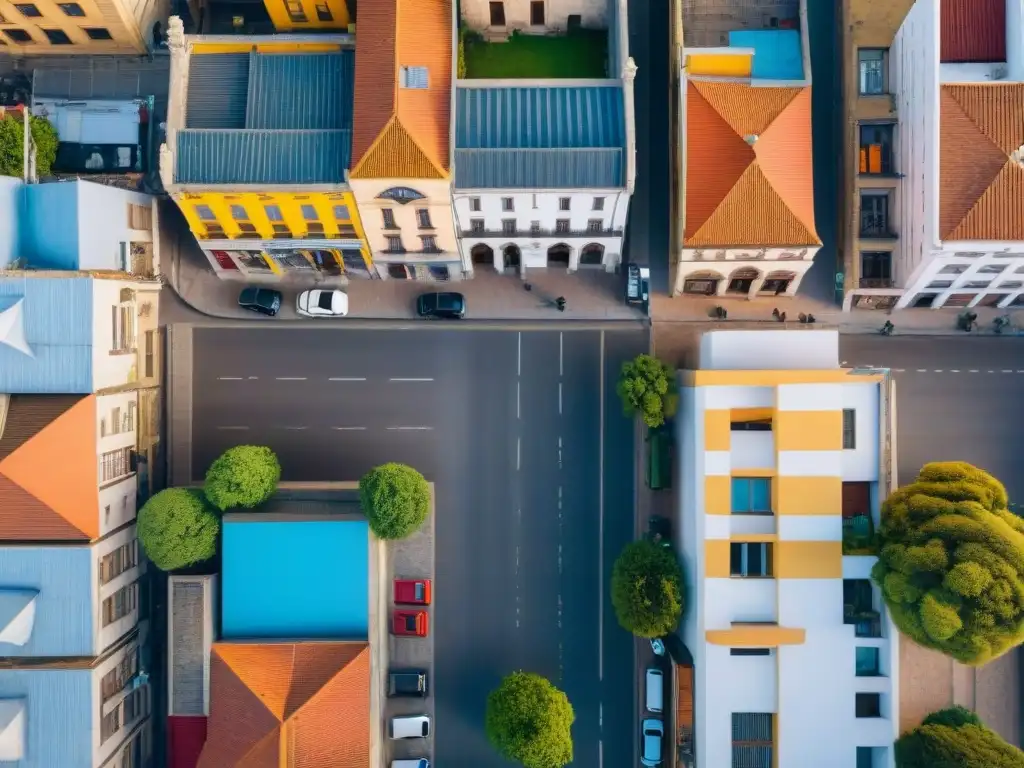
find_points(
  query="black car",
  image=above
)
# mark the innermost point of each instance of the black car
(266, 301)
(448, 305)
(407, 682)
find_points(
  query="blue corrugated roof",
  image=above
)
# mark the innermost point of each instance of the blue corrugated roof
(777, 52)
(539, 168)
(310, 91)
(539, 118)
(59, 715)
(263, 157)
(63, 621)
(57, 318)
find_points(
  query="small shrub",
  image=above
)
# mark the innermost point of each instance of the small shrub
(955, 738)
(395, 499)
(177, 529)
(243, 476)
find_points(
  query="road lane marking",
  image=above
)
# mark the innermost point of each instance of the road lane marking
(973, 370)
(399, 378)
(349, 429)
(560, 368)
(1007, 371)
(518, 454)
(938, 370)
(925, 370)
(991, 371)
(409, 429)
(900, 370)
(518, 412)
(600, 528)
(232, 428)
(559, 398)
(954, 370)
(295, 429)
(229, 378)
(291, 378)
(347, 378)
(519, 354)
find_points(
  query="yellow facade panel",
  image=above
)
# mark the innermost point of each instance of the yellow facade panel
(808, 495)
(756, 636)
(809, 560)
(246, 47)
(716, 559)
(716, 431)
(718, 495)
(720, 65)
(752, 414)
(298, 15)
(808, 430)
(777, 378)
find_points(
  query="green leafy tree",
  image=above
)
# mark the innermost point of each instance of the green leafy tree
(243, 476)
(951, 564)
(395, 499)
(646, 387)
(647, 589)
(12, 144)
(529, 720)
(177, 529)
(955, 738)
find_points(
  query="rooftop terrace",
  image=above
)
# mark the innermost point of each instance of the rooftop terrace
(707, 23)
(582, 53)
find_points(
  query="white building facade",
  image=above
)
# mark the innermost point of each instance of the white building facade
(534, 16)
(783, 458)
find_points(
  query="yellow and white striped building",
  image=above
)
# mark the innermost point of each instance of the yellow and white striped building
(783, 454)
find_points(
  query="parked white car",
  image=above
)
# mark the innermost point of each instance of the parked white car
(410, 727)
(319, 303)
(419, 762)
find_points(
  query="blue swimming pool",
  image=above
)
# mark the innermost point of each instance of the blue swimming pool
(301, 579)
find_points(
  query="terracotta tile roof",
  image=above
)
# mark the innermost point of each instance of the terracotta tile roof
(981, 162)
(288, 705)
(972, 31)
(748, 166)
(402, 133)
(39, 431)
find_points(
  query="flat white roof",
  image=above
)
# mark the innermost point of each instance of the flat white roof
(769, 350)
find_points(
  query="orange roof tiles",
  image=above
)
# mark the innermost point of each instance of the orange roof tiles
(400, 132)
(748, 166)
(981, 162)
(48, 469)
(972, 31)
(288, 705)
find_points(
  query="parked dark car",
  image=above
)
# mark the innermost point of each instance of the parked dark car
(407, 682)
(266, 301)
(447, 305)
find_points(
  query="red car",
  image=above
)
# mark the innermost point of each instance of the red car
(412, 623)
(412, 591)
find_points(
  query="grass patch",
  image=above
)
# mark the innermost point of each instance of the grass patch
(582, 53)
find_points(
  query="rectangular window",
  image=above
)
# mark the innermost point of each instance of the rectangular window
(430, 244)
(750, 559)
(57, 37)
(323, 13)
(869, 705)
(875, 269)
(751, 496)
(205, 213)
(117, 562)
(752, 739)
(476, 225)
(423, 218)
(238, 213)
(598, 203)
(874, 213)
(110, 724)
(750, 651)
(849, 429)
(395, 244)
(28, 10)
(474, 204)
(867, 662)
(71, 9)
(389, 218)
(534, 227)
(98, 33)
(537, 13)
(562, 226)
(150, 346)
(140, 217)
(295, 12)
(121, 603)
(866, 757)
(508, 226)
(122, 320)
(18, 35)
(273, 212)
(564, 203)
(594, 226)
(876, 149)
(309, 213)
(873, 66)
(115, 464)
(414, 77)
(507, 204)
(341, 213)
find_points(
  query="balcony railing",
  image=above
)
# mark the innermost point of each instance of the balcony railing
(876, 227)
(567, 233)
(876, 282)
(859, 536)
(866, 622)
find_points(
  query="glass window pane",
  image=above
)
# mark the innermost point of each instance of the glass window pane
(760, 494)
(740, 494)
(867, 661)
(755, 559)
(735, 559)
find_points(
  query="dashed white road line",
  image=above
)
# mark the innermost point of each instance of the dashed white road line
(290, 378)
(347, 378)
(295, 429)
(409, 429)
(349, 429)
(229, 378)
(402, 379)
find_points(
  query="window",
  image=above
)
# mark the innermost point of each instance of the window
(150, 344)
(110, 724)
(875, 269)
(98, 33)
(537, 13)
(876, 150)
(562, 225)
(869, 705)
(476, 225)
(273, 212)
(752, 425)
(115, 464)
(474, 203)
(341, 213)
(18, 35)
(389, 218)
(205, 213)
(867, 662)
(438, 272)
(507, 204)
(872, 63)
(122, 329)
(750, 559)
(508, 226)
(750, 651)
(394, 244)
(238, 213)
(752, 734)
(423, 218)
(117, 562)
(866, 757)
(28, 10)
(121, 603)
(400, 195)
(874, 214)
(71, 9)
(295, 12)
(534, 227)
(414, 77)
(594, 226)
(939, 284)
(430, 244)
(309, 213)
(598, 204)
(323, 13)
(140, 217)
(849, 429)
(953, 269)
(992, 269)
(57, 36)
(751, 496)
(563, 203)
(497, 14)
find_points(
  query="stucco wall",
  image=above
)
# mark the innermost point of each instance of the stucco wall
(593, 13)
(106, 636)
(10, 219)
(109, 369)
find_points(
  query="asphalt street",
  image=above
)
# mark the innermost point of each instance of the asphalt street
(532, 460)
(957, 397)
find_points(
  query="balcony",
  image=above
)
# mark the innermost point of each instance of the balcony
(876, 282)
(876, 227)
(859, 536)
(559, 233)
(865, 623)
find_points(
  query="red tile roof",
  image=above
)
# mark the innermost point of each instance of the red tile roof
(981, 162)
(972, 31)
(185, 739)
(748, 166)
(289, 705)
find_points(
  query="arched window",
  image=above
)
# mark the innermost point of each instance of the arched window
(401, 195)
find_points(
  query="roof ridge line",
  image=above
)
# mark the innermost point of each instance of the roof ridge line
(419, 146)
(981, 131)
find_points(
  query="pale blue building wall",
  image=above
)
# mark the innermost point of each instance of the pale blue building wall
(49, 238)
(59, 712)
(10, 219)
(64, 624)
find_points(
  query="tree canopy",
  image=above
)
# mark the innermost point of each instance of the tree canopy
(529, 720)
(951, 564)
(177, 529)
(395, 499)
(955, 738)
(243, 476)
(12, 141)
(647, 589)
(646, 387)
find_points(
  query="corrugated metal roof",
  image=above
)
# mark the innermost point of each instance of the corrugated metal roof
(100, 77)
(972, 31)
(539, 168)
(58, 323)
(262, 157)
(218, 90)
(539, 118)
(308, 91)
(52, 696)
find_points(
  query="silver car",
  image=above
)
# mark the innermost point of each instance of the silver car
(652, 732)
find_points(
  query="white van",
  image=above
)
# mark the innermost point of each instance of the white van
(419, 762)
(410, 727)
(655, 689)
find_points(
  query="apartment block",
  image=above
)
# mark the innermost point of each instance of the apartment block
(49, 28)
(783, 459)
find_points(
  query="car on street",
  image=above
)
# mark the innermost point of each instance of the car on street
(447, 305)
(411, 623)
(410, 727)
(407, 682)
(320, 303)
(265, 301)
(412, 591)
(416, 762)
(652, 731)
